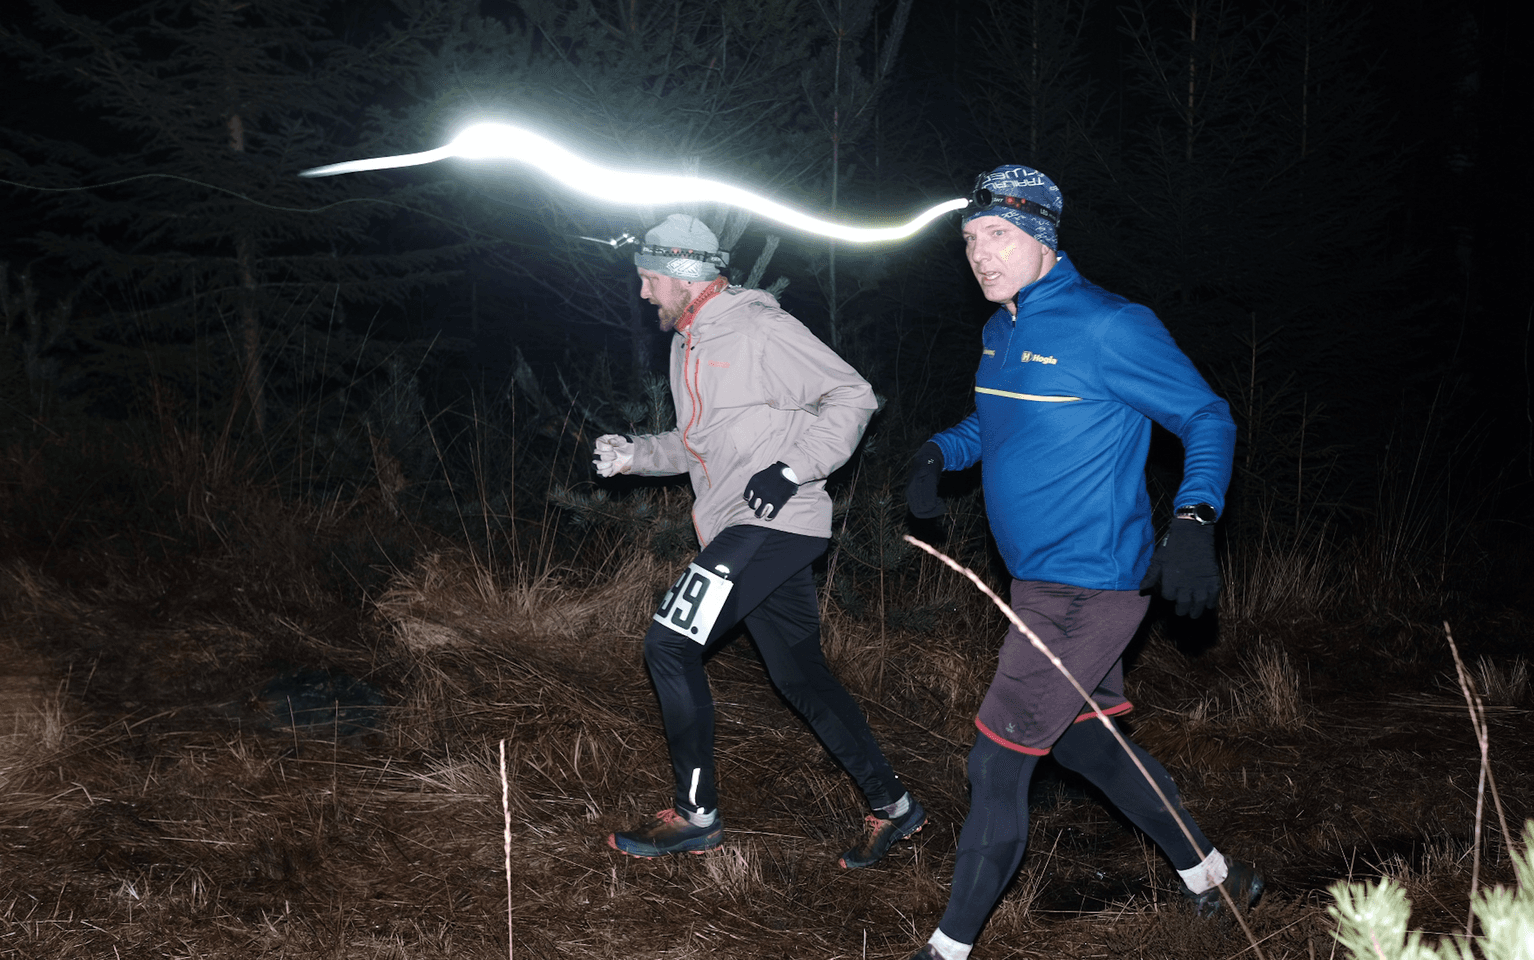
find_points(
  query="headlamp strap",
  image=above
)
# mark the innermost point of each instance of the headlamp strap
(622, 240)
(985, 198)
(672, 253)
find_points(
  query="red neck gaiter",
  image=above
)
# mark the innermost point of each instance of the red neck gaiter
(691, 311)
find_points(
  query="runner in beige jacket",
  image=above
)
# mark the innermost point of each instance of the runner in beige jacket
(753, 387)
(765, 412)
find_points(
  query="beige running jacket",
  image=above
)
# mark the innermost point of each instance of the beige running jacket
(753, 386)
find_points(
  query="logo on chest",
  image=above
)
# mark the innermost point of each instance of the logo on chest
(1030, 357)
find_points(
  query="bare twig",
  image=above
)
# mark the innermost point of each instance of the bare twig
(511, 940)
(1483, 739)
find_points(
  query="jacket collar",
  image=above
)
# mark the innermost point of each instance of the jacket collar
(685, 321)
(1063, 274)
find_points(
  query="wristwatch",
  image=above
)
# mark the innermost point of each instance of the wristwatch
(1201, 513)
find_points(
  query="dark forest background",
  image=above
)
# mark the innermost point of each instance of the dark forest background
(297, 521)
(1323, 201)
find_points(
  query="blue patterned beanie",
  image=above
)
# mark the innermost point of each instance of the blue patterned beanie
(1022, 196)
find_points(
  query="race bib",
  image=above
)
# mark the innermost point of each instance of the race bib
(693, 603)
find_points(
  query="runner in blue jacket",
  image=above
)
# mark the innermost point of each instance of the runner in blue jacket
(1070, 378)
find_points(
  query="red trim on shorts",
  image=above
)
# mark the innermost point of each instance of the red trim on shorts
(1003, 742)
(1114, 711)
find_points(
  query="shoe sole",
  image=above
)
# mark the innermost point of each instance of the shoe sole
(899, 837)
(612, 841)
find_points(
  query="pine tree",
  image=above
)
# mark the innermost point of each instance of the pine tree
(175, 198)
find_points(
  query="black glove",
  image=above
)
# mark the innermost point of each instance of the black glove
(1185, 566)
(769, 490)
(921, 489)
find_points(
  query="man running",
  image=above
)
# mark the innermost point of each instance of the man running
(1070, 378)
(765, 412)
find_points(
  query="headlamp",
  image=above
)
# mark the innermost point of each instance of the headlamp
(617, 243)
(985, 198)
(623, 240)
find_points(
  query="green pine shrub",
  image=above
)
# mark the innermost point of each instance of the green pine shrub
(1372, 920)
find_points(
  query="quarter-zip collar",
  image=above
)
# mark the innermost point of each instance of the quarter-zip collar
(690, 312)
(1061, 275)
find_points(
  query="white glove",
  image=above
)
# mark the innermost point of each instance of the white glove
(615, 454)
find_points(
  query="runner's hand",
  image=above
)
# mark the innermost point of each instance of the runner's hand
(1185, 566)
(921, 490)
(769, 489)
(615, 454)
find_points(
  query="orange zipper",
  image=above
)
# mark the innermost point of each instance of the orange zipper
(695, 394)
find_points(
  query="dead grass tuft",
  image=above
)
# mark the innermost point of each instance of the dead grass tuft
(1427, 869)
(1270, 694)
(1505, 686)
(448, 600)
(28, 593)
(735, 871)
(475, 777)
(1294, 575)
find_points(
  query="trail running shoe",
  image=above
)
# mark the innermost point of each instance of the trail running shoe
(667, 832)
(881, 834)
(1244, 883)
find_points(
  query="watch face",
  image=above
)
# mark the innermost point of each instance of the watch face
(1202, 512)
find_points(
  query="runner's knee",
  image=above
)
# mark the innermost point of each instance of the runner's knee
(996, 772)
(666, 652)
(1080, 743)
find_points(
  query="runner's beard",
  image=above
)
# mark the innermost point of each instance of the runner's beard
(669, 317)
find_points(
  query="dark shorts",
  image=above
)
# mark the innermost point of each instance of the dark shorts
(1030, 704)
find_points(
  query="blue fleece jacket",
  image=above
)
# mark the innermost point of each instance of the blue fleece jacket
(1064, 399)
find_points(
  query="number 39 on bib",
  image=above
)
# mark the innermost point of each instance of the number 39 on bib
(693, 603)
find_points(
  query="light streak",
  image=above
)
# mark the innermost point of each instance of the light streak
(499, 141)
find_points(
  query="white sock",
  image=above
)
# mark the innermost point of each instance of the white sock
(899, 808)
(948, 948)
(701, 818)
(1208, 874)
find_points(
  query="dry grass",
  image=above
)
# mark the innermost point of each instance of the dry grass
(1263, 697)
(449, 600)
(150, 809)
(1503, 685)
(1428, 869)
(1271, 694)
(1281, 574)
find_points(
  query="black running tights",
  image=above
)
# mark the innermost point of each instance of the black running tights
(995, 833)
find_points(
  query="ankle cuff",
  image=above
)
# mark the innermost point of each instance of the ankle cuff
(699, 818)
(948, 948)
(899, 808)
(1206, 875)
